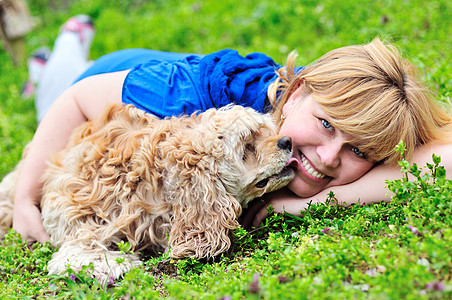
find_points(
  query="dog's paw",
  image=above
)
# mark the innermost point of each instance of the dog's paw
(106, 263)
(113, 264)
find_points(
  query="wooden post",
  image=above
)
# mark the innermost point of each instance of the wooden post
(15, 23)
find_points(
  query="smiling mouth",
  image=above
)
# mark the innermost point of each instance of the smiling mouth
(309, 169)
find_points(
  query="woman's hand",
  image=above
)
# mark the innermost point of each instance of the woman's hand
(27, 221)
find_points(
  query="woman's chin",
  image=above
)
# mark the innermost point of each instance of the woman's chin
(303, 190)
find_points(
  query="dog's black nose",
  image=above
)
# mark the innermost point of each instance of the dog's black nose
(285, 143)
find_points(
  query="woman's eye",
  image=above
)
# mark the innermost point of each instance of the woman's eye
(326, 124)
(358, 152)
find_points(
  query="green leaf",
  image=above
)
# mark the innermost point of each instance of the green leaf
(436, 159)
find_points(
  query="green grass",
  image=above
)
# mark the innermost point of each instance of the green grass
(392, 251)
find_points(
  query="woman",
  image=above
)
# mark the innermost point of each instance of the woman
(345, 113)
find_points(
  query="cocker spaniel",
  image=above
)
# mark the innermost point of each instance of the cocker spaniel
(129, 176)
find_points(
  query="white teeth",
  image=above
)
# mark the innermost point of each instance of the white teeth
(310, 169)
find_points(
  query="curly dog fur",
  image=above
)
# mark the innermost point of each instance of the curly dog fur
(129, 176)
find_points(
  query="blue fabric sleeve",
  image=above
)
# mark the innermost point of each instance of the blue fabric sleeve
(171, 84)
(197, 83)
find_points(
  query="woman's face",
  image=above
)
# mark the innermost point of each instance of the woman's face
(321, 154)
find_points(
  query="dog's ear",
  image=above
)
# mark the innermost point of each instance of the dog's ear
(204, 214)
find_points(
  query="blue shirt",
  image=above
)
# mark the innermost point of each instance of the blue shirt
(171, 84)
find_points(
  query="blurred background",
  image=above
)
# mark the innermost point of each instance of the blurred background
(421, 29)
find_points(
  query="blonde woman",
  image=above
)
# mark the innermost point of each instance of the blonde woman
(345, 114)
(365, 99)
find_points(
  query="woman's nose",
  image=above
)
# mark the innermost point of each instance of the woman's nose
(330, 154)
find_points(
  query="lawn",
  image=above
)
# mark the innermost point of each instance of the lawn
(401, 250)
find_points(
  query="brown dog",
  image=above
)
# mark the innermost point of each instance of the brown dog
(130, 176)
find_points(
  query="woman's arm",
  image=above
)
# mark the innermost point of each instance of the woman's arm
(84, 100)
(370, 188)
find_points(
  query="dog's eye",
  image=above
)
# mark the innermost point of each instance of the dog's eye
(249, 149)
(262, 183)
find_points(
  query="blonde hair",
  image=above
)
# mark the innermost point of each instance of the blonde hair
(371, 93)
